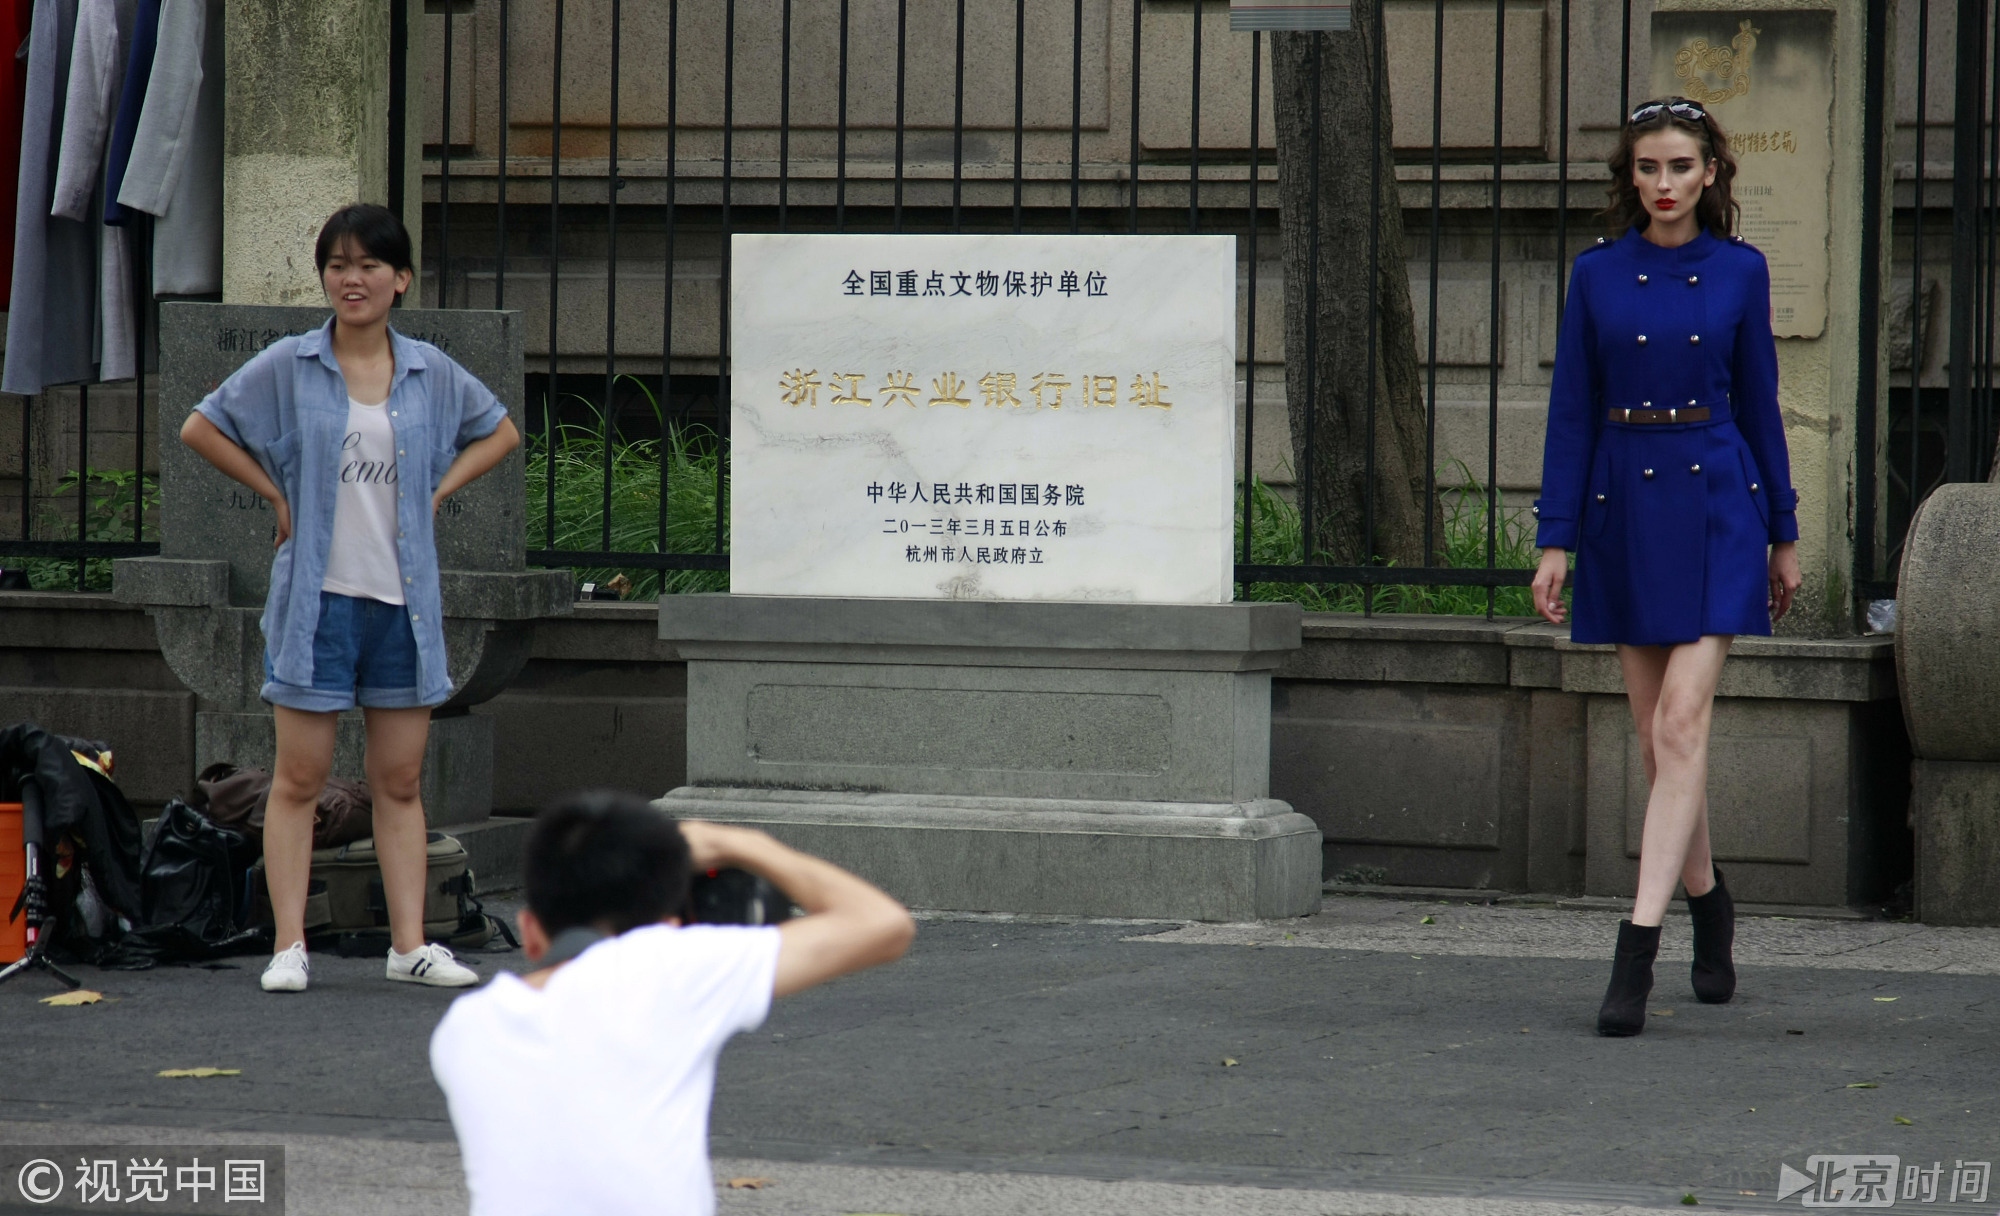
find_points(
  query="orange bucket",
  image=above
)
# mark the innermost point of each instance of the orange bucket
(13, 872)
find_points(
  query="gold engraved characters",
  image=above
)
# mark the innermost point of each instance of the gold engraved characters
(997, 390)
(1052, 383)
(1745, 142)
(852, 394)
(948, 389)
(800, 387)
(899, 384)
(1148, 394)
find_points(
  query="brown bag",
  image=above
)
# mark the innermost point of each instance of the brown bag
(235, 798)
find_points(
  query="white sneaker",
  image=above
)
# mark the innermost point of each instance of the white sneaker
(288, 970)
(431, 964)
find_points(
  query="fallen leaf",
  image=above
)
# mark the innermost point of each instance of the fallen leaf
(1524, 1030)
(201, 1072)
(81, 996)
(1886, 999)
(1418, 957)
(749, 1184)
(1746, 1192)
(1663, 1013)
(1903, 1121)
(1228, 1063)
(1690, 1200)
(1428, 920)
(1864, 1085)
(1753, 1110)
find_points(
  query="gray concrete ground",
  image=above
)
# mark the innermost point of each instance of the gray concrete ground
(1357, 1062)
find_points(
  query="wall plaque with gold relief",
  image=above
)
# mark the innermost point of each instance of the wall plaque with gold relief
(1767, 77)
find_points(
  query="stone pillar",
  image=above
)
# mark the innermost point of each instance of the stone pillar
(1057, 758)
(305, 132)
(206, 589)
(1948, 663)
(1804, 87)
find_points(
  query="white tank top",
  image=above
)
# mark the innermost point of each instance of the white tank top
(363, 561)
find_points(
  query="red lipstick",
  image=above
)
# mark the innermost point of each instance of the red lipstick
(1665, 204)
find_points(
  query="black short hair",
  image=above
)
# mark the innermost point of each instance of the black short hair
(604, 859)
(376, 229)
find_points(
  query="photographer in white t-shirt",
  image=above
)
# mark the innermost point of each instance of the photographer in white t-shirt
(584, 1086)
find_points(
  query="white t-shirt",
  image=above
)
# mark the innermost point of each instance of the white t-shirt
(592, 1093)
(362, 561)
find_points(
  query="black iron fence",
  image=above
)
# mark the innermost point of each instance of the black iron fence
(674, 142)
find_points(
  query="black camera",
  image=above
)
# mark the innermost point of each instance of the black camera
(735, 897)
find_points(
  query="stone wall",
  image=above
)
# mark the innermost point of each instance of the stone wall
(1431, 751)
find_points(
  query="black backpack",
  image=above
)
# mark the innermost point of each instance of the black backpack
(193, 899)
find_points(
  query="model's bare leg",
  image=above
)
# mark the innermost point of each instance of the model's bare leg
(305, 756)
(1645, 669)
(395, 766)
(1676, 834)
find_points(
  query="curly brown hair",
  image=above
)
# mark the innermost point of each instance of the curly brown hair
(1717, 208)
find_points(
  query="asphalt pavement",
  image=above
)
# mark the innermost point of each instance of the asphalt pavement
(1384, 1056)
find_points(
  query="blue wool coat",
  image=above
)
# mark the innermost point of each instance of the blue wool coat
(1670, 522)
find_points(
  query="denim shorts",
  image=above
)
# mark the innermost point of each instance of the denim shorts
(364, 653)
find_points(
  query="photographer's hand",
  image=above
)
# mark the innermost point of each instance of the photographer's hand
(849, 924)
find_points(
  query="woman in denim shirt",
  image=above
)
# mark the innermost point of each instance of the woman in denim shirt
(336, 429)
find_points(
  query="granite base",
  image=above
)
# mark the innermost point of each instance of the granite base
(1255, 860)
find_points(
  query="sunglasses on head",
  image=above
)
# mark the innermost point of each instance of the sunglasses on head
(1686, 111)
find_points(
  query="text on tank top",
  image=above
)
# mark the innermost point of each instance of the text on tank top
(362, 561)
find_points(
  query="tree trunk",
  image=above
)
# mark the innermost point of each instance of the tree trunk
(1327, 379)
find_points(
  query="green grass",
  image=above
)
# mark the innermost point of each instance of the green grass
(1276, 539)
(690, 454)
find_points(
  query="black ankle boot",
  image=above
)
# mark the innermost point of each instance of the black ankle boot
(1714, 916)
(1624, 1010)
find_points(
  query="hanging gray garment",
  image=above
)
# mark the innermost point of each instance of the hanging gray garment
(96, 66)
(187, 241)
(54, 308)
(166, 124)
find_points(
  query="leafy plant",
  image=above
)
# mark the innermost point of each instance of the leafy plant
(690, 455)
(107, 517)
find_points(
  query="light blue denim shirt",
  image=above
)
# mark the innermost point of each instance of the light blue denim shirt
(287, 407)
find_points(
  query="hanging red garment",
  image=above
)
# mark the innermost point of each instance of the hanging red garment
(15, 17)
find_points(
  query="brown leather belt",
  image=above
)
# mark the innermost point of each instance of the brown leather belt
(1697, 413)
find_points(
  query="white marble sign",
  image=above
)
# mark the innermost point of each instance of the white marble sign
(983, 417)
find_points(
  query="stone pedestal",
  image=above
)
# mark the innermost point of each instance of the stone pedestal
(1060, 758)
(1948, 663)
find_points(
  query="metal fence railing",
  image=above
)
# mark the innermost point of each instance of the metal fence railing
(579, 140)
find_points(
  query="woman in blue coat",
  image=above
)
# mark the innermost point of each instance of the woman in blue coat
(1665, 470)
